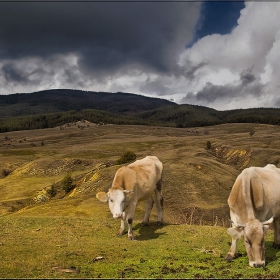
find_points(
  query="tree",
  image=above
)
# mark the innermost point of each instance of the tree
(252, 132)
(67, 183)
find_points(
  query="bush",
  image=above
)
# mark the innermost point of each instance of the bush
(67, 183)
(5, 173)
(51, 191)
(208, 145)
(128, 156)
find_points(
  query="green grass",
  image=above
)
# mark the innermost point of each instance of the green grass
(32, 246)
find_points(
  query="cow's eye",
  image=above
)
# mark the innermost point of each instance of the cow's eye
(111, 200)
(247, 241)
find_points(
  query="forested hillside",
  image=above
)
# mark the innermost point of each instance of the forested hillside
(62, 100)
(51, 108)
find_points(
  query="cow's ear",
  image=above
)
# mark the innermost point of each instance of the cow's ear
(235, 232)
(102, 196)
(128, 194)
(266, 224)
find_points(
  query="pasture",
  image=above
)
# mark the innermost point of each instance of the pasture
(73, 235)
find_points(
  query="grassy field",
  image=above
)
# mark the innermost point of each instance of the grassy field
(81, 247)
(42, 238)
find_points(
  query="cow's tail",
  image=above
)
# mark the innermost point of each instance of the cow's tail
(159, 172)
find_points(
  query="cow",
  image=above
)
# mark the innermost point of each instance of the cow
(254, 203)
(131, 184)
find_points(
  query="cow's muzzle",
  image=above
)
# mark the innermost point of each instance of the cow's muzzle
(118, 215)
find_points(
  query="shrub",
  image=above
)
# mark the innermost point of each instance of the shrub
(67, 183)
(208, 145)
(51, 191)
(128, 156)
(5, 173)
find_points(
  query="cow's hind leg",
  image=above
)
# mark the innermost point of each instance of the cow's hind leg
(159, 202)
(149, 206)
(276, 226)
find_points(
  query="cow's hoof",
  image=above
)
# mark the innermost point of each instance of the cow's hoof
(228, 258)
(144, 224)
(276, 246)
(131, 237)
(159, 223)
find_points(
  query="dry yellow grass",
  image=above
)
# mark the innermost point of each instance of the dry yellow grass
(197, 180)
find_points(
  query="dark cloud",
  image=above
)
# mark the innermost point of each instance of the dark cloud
(104, 35)
(12, 74)
(247, 77)
(157, 87)
(189, 70)
(277, 102)
(211, 92)
(220, 93)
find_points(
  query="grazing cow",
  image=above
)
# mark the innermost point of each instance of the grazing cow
(254, 203)
(132, 183)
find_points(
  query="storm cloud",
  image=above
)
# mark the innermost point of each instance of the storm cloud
(106, 38)
(143, 47)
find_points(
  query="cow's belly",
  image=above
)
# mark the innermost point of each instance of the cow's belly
(272, 205)
(145, 196)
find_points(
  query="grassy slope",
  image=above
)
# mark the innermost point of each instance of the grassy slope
(74, 230)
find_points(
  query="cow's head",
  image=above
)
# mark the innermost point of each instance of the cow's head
(253, 232)
(118, 200)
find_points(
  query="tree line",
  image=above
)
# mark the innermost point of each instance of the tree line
(181, 116)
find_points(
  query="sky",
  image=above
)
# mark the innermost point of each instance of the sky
(219, 54)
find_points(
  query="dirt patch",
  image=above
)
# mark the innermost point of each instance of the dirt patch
(235, 157)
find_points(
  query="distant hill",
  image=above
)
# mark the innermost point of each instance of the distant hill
(51, 108)
(62, 100)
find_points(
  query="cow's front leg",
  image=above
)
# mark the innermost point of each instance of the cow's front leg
(122, 228)
(130, 233)
(232, 251)
(129, 218)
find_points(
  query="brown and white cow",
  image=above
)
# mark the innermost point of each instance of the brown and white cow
(254, 203)
(132, 183)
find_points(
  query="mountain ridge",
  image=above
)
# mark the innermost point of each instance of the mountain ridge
(51, 108)
(57, 100)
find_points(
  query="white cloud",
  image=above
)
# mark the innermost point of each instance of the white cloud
(251, 48)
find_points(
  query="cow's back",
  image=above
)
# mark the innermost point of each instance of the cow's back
(147, 165)
(141, 177)
(255, 194)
